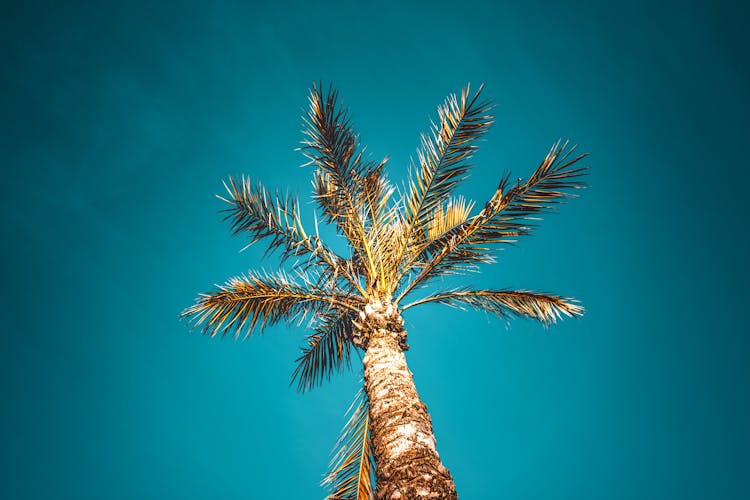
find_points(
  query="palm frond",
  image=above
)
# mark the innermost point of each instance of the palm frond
(376, 191)
(330, 141)
(534, 305)
(508, 213)
(253, 210)
(455, 212)
(263, 299)
(328, 350)
(442, 160)
(385, 241)
(380, 220)
(342, 175)
(352, 467)
(503, 219)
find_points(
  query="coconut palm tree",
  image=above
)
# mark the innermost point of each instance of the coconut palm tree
(399, 242)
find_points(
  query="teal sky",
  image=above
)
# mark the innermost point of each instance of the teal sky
(120, 122)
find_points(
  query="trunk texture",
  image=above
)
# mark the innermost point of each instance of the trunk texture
(407, 465)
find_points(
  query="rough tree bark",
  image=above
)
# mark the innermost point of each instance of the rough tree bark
(407, 465)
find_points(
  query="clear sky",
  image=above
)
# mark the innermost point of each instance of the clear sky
(120, 122)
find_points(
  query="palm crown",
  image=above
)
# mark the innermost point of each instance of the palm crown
(399, 240)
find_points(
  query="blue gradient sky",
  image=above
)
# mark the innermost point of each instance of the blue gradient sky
(119, 124)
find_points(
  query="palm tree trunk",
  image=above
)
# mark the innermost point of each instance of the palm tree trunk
(407, 465)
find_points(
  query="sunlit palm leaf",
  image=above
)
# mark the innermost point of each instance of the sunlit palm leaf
(376, 191)
(328, 350)
(262, 299)
(444, 219)
(253, 210)
(539, 306)
(380, 221)
(507, 214)
(504, 218)
(442, 161)
(386, 243)
(342, 174)
(330, 144)
(352, 467)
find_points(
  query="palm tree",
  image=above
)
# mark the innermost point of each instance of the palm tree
(398, 243)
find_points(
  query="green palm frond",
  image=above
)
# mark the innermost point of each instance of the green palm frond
(504, 218)
(328, 350)
(534, 305)
(351, 475)
(442, 162)
(263, 299)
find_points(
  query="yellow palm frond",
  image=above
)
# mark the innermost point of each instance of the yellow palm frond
(352, 466)
(455, 212)
(534, 305)
(262, 299)
(442, 161)
(503, 219)
(509, 211)
(343, 175)
(376, 191)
